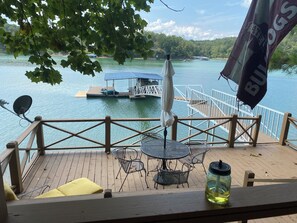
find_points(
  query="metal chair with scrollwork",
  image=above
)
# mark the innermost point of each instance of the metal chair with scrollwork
(197, 154)
(129, 162)
(168, 177)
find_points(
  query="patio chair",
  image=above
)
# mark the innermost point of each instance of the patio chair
(130, 163)
(197, 155)
(168, 177)
(151, 136)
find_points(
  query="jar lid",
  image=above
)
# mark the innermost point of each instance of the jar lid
(220, 168)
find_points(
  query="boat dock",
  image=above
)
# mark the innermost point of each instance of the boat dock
(140, 85)
(97, 92)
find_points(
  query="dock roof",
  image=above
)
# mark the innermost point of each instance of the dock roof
(131, 75)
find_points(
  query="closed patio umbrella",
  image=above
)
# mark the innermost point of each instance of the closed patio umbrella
(167, 118)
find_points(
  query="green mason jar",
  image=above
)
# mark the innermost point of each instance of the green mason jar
(218, 182)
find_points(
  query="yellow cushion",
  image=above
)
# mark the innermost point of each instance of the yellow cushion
(81, 186)
(51, 193)
(9, 194)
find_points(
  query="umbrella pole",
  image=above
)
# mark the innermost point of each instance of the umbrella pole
(165, 135)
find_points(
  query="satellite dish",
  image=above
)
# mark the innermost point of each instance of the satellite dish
(21, 105)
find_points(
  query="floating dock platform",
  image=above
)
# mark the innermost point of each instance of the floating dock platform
(106, 92)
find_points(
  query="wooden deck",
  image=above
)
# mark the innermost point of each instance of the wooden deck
(57, 168)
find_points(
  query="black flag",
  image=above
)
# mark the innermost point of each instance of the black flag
(266, 24)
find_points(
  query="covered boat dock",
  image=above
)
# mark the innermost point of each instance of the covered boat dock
(140, 85)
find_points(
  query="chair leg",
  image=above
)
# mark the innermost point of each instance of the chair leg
(147, 186)
(156, 186)
(123, 182)
(204, 169)
(147, 165)
(118, 172)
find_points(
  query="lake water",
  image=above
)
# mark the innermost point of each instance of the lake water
(59, 101)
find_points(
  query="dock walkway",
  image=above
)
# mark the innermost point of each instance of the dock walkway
(206, 110)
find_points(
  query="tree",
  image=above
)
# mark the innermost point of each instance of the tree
(75, 27)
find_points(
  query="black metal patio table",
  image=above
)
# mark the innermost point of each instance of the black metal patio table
(173, 150)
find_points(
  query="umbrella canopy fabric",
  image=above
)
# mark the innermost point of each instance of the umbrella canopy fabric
(167, 118)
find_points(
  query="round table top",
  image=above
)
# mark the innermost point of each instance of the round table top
(155, 148)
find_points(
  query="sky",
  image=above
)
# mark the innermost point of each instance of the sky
(198, 20)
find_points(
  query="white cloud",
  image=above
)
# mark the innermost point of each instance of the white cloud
(242, 3)
(187, 32)
(246, 3)
(200, 12)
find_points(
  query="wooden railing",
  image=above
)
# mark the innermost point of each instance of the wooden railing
(289, 131)
(73, 134)
(249, 180)
(43, 135)
(190, 206)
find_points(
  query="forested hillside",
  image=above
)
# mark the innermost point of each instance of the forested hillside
(284, 57)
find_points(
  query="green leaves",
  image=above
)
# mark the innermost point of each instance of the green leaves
(73, 27)
(44, 74)
(79, 61)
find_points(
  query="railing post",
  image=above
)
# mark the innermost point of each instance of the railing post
(40, 136)
(174, 128)
(107, 134)
(256, 131)
(232, 131)
(248, 174)
(285, 129)
(15, 167)
(3, 206)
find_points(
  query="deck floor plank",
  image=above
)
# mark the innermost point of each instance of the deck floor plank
(60, 172)
(86, 164)
(42, 173)
(53, 176)
(92, 167)
(30, 177)
(67, 169)
(98, 170)
(265, 160)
